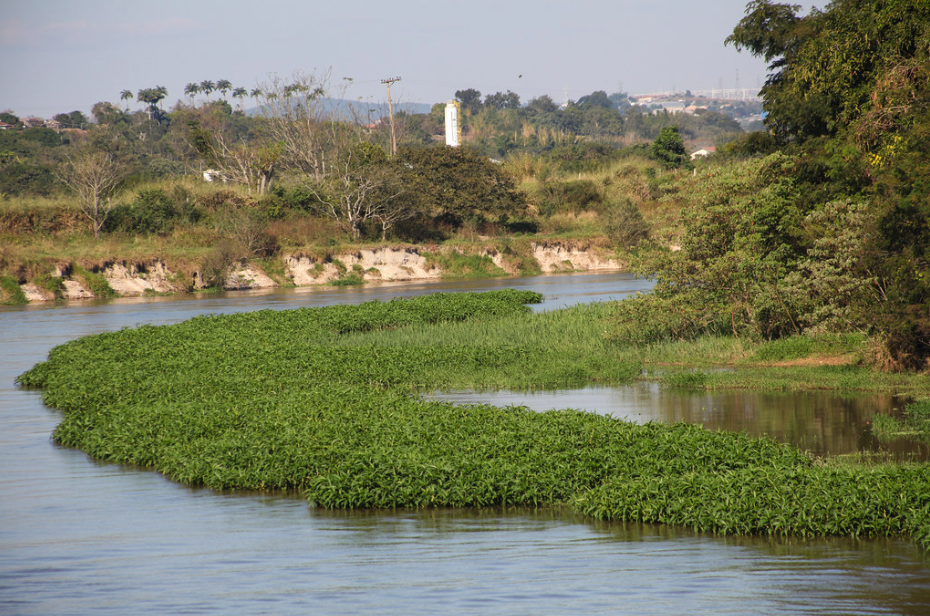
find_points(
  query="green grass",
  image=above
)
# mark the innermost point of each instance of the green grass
(10, 291)
(95, 282)
(348, 280)
(322, 400)
(455, 264)
(914, 423)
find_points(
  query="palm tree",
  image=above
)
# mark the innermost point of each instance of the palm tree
(151, 97)
(161, 92)
(224, 86)
(191, 90)
(240, 93)
(206, 87)
(126, 95)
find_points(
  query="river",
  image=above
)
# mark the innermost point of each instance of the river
(80, 537)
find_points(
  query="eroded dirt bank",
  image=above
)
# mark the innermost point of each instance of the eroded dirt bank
(128, 279)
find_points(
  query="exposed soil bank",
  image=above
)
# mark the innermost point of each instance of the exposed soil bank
(127, 279)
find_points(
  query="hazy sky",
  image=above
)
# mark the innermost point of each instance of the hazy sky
(61, 55)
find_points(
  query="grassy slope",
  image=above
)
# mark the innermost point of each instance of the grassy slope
(319, 400)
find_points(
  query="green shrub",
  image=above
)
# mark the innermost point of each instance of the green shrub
(95, 283)
(26, 179)
(352, 279)
(625, 224)
(572, 196)
(152, 211)
(794, 347)
(11, 292)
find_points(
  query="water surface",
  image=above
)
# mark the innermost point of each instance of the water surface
(822, 423)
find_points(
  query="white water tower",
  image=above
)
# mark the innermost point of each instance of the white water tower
(453, 130)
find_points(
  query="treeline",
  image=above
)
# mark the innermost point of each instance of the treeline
(501, 125)
(827, 228)
(308, 151)
(152, 143)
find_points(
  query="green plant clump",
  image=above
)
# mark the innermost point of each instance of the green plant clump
(455, 264)
(323, 401)
(10, 291)
(97, 284)
(914, 423)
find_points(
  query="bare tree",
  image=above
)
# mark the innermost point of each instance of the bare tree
(249, 164)
(310, 120)
(95, 176)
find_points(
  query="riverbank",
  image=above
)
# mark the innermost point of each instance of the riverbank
(355, 265)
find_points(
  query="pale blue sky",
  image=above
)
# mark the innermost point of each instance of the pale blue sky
(60, 55)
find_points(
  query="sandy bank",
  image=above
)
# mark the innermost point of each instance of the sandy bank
(377, 264)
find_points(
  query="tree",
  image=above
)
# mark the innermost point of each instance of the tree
(207, 86)
(850, 88)
(499, 100)
(162, 92)
(192, 89)
(620, 100)
(312, 128)
(95, 176)
(361, 188)
(240, 93)
(826, 67)
(454, 185)
(75, 119)
(126, 95)
(470, 100)
(105, 113)
(151, 97)
(598, 121)
(9, 117)
(542, 104)
(224, 86)
(252, 164)
(669, 149)
(595, 99)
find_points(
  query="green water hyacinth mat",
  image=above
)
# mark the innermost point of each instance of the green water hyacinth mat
(322, 400)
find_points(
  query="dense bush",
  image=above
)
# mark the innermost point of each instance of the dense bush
(26, 179)
(452, 185)
(581, 157)
(625, 224)
(568, 196)
(152, 211)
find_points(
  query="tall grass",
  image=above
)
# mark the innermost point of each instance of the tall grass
(10, 291)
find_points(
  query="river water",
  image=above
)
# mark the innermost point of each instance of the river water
(80, 537)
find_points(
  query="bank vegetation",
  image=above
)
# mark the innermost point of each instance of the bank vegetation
(325, 401)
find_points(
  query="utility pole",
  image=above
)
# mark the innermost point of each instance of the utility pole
(391, 112)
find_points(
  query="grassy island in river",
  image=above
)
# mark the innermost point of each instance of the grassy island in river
(322, 400)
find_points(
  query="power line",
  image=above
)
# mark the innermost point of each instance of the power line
(388, 82)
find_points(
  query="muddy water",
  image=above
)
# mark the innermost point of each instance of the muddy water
(818, 422)
(78, 537)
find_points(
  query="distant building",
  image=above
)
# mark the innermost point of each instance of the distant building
(211, 175)
(453, 129)
(703, 152)
(5, 126)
